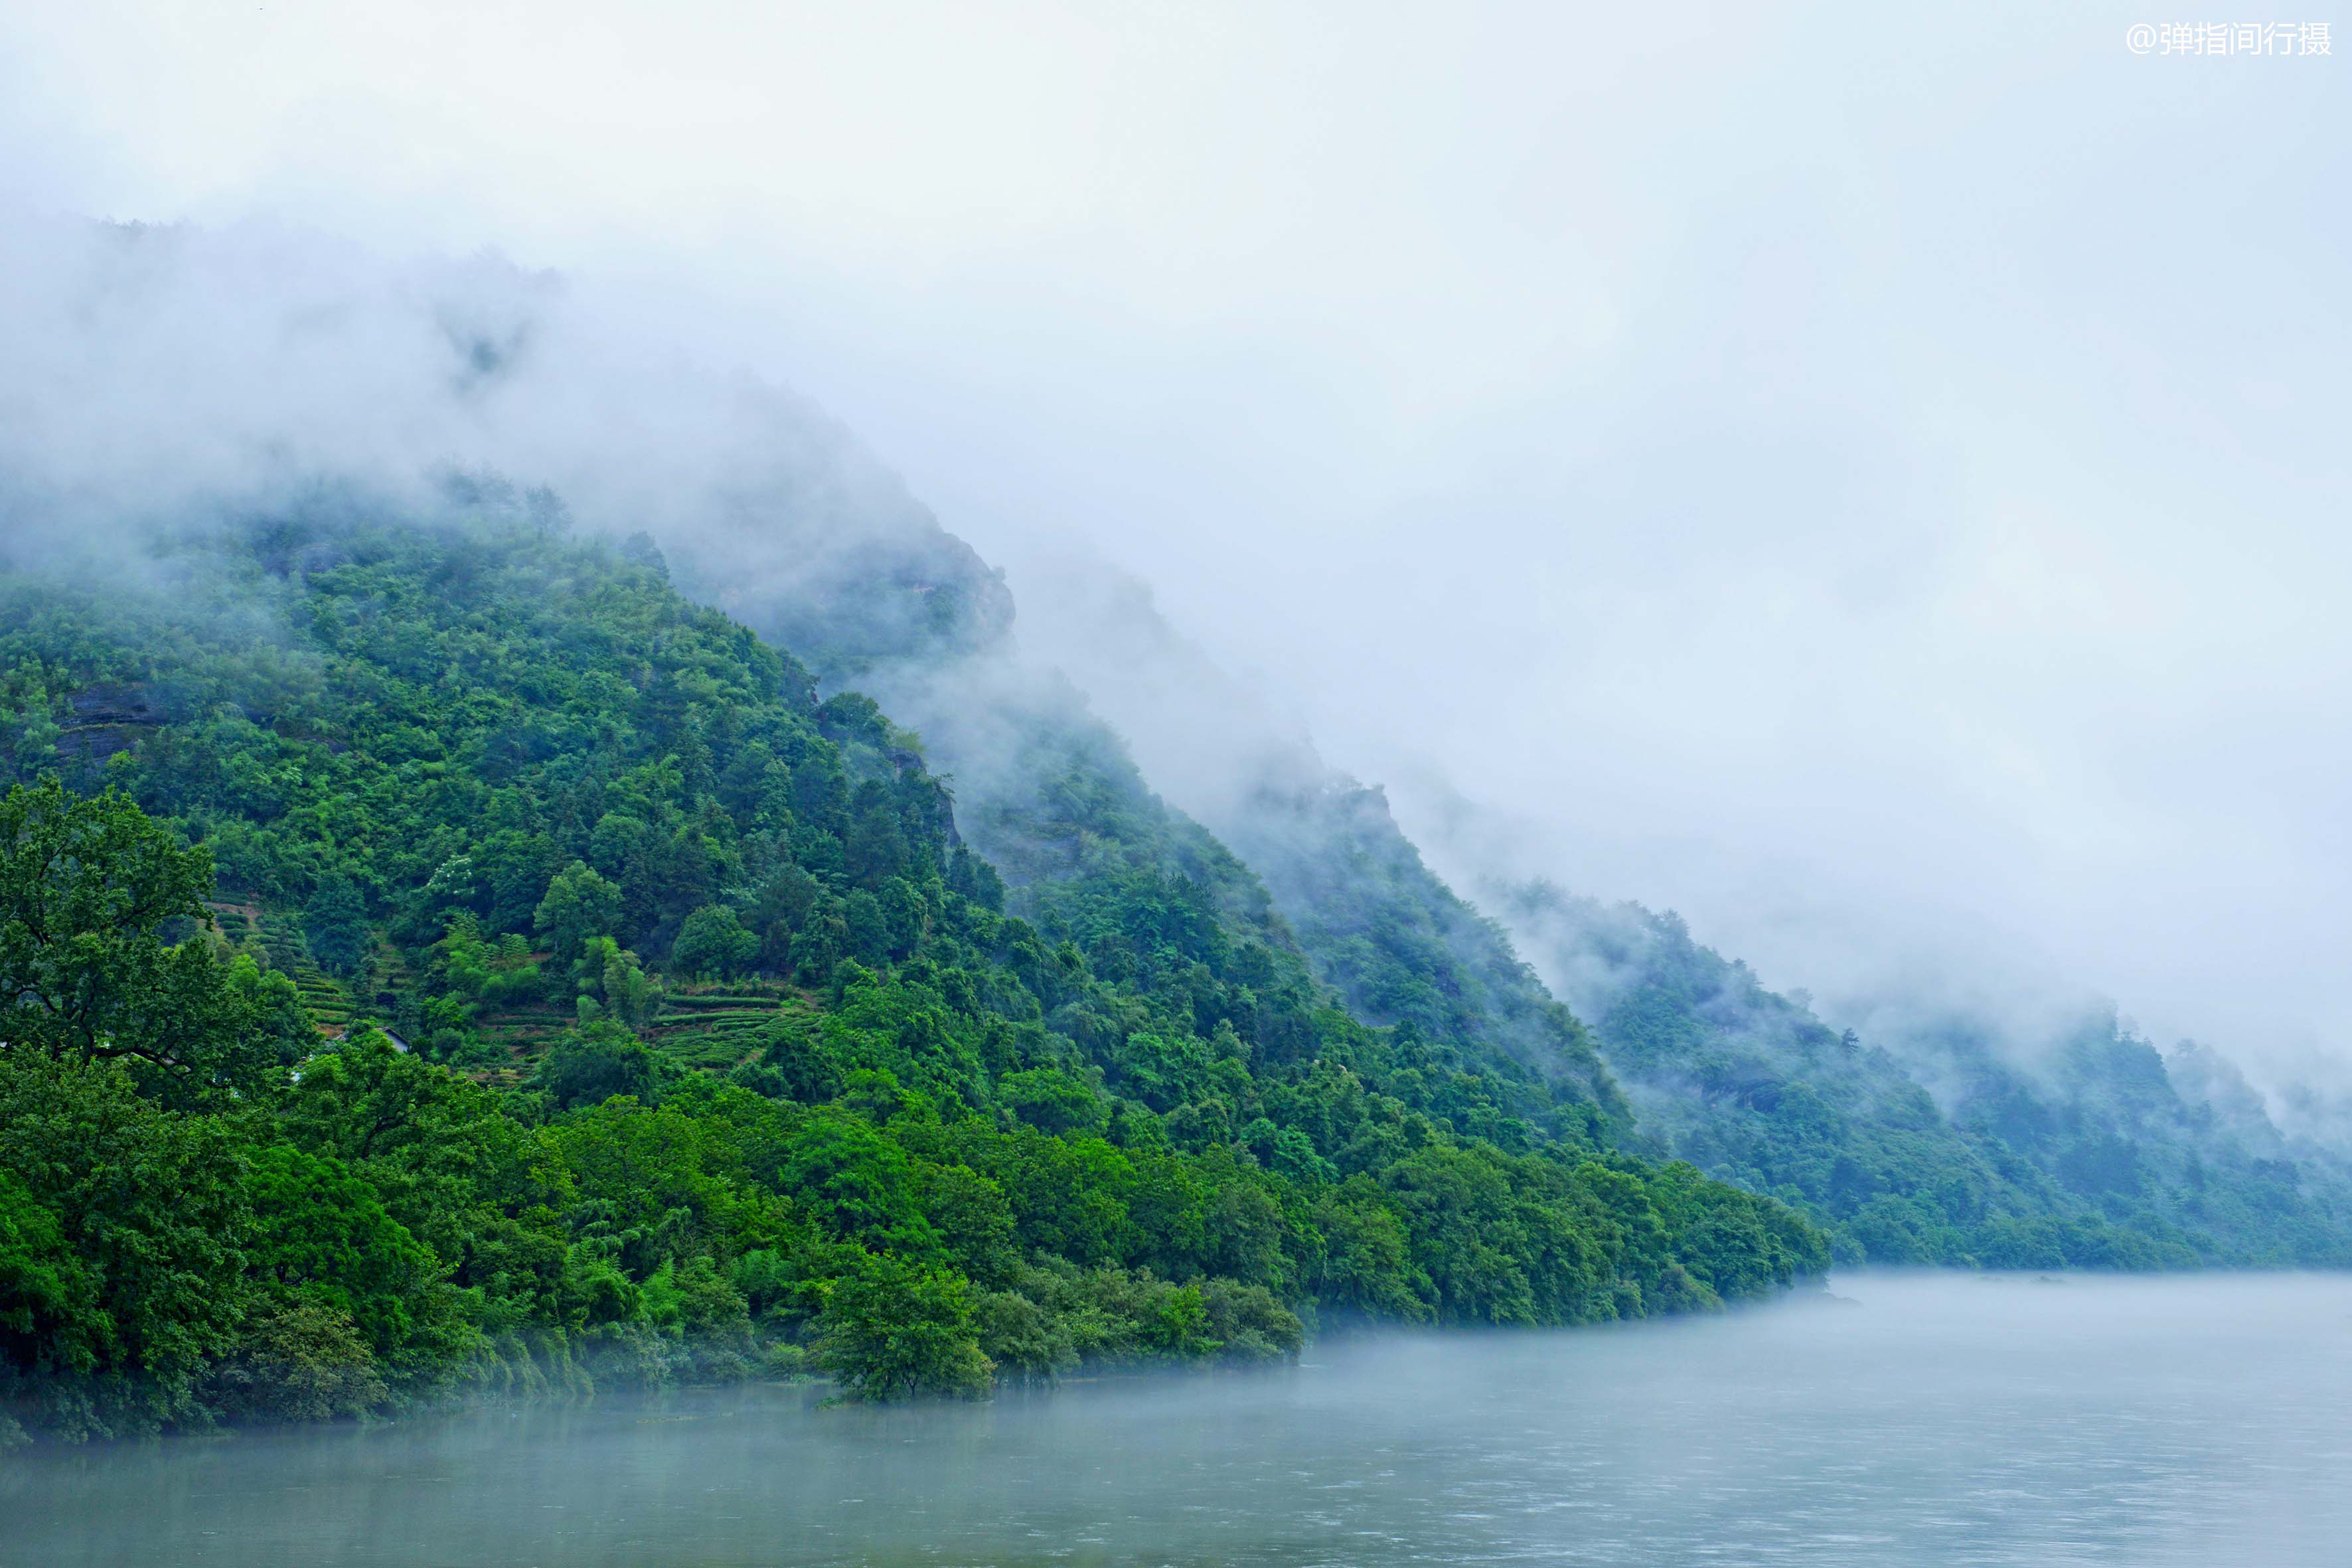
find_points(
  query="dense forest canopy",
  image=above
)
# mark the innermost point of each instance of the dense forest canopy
(445, 957)
(2095, 1152)
(449, 952)
(1947, 1135)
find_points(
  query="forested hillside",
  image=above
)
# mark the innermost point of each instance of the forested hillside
(509, 958)
(1053, 797)
(452, 959)
(1934, 1137)
(1395, 940)
(1049, 786)
(2099, 1154)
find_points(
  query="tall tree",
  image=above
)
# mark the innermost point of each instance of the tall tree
(88, 888)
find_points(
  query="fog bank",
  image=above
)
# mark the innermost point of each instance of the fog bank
(1868, 483)
(1924, 1419)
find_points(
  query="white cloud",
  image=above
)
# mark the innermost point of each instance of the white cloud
(1869, 480)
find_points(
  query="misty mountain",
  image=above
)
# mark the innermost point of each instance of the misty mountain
(650, 889)
(465, 963)
(1944, 1139)
(1942, 1133)
(1051, 796)
(1947, 1139)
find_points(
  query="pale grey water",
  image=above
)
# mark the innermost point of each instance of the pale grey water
(1944, 1419)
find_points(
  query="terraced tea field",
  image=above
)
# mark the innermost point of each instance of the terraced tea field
(274, 940)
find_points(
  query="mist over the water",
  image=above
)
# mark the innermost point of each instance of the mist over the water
(1927, 1419)
(1870, 484)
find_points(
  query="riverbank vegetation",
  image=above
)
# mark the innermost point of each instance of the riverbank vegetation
(445, 959)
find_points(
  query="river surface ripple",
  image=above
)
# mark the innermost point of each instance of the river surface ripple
(1937, 1418)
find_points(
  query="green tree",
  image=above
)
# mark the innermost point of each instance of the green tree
(322, 1233)
(579, 907)
(611, 981)
(334, 926)
(87, 887)
(891, 1330)
(300, 1359)
(713, 944)
(589, 1065)
(150, 1208)
(51, 1323)
(1051, 1099)
(866, 927)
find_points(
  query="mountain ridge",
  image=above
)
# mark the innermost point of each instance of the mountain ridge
(1960, 1154)
(714, 1049)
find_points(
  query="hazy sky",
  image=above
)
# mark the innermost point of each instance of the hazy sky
(1871, 483)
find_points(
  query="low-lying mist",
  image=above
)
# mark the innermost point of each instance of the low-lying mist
(1901, 1418)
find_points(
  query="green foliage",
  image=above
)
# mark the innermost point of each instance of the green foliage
(2094, 1160)
(128, 1222)
(891, 1329)
(1050, 1098)
(334, 925)
(52, 1322)
(470, 969)
(935, 1129)
(299, 1359)
(713, 945)
(579, 907)
(610, 981)
(591, 1064)
(321, 1233)
(87, 888)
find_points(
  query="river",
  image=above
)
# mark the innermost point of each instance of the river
(1926, 1418)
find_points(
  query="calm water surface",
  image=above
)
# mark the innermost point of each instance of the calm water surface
(1939, 1419)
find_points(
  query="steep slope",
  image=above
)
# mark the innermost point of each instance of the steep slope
(1049, 787)
(1231, 831)
(1053, 797)
(1929, 1144)
(2098, 1154)
(1394, 939)
(756, 1062)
